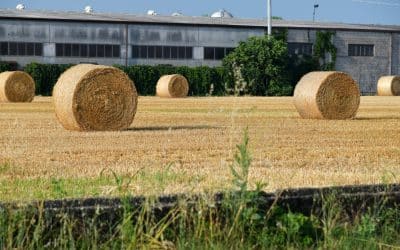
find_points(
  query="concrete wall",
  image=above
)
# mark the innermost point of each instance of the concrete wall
(395, 54)
(27, 31)
(365, 70)
(196, 37)
(50, 33)
(301, 36)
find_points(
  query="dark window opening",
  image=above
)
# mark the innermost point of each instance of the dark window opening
(167, 52)
(38, 49)
(162, 52)
(75, 50)
(189, 52)
(228, 50)
(92, 50)
(209, 53)
(116, 51)
(143, 52)
(30, 49)
(67, 49)
(13, 49)
(181, 52)
(83, 52)
(174, 52)
(135, 51)
(216, 53)
(108, 50)
(159, 52)
(100, 50)
(300, 48)
(361, 50)
(4, 48)
(219, 53)
(20, 49)
(151, 52)
(59, 49)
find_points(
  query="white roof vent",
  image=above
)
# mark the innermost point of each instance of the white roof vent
(20, 6)
(151, 13)
(176, 14)
(222, 14)
(88, 9)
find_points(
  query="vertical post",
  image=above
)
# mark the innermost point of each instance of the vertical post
(313, 15)
(126, 45)
(269, 17)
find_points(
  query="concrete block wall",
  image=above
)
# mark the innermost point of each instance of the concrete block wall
(364, 69)
(50, 33)
(395, 54)
(301, 35)
(192, 36)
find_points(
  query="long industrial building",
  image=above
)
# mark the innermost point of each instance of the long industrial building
(366, 52)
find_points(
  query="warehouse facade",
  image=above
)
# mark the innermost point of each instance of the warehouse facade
(366, 52)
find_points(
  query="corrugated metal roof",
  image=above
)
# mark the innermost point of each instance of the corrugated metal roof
(185, 20)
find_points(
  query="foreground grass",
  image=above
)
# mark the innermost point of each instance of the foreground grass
(237, 223)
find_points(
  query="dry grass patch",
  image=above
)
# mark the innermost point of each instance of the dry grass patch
(198, 136)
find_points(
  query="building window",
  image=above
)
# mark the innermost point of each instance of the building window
(87, 50)
(361, 50)
(4, 48)
(21, 49)
(216, 53)
(300, 48)
(162, 52)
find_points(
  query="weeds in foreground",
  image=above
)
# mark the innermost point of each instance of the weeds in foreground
(236, 223)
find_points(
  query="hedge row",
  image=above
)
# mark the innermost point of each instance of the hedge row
(203, 80)
(5, 67)
(45, 76)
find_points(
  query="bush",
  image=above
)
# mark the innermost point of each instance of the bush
(259, 67)
(45, 76)
(5, 67)
(202, 80)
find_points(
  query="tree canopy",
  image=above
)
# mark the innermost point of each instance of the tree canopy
(259, 66)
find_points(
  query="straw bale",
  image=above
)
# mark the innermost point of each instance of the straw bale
(389, 86)
(174, 86)
(95, 97)
(327, 95)
(16, 86)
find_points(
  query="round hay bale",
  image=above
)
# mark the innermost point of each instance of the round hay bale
(327, 95)
(389, 86)
(16, 86)
(95, 97)
(172, 86)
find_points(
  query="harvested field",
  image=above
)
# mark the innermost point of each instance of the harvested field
(187, 145)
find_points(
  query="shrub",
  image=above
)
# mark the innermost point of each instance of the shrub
(259, 66)
(45, 75)
(202, 80)
(5, 66)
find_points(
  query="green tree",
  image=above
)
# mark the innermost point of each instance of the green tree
(325, 50)
(259, 67)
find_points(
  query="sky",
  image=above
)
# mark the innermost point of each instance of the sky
(346, 11)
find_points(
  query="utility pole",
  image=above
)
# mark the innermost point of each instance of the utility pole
(313, 16)
(269, 17)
